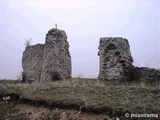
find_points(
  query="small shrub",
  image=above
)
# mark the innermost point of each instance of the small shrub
(28, 42)
(55, 76)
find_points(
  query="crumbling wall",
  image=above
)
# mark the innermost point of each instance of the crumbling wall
(32, 62)
(57, 59)
(50, 61)
(145, 73)
(116, 62)
(115, 58)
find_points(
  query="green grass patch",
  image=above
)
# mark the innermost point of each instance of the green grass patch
(136, 97)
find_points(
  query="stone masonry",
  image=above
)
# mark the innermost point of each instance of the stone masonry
(115, 58)
(32, 62)
(56, 58)
(145, 73)
(49, 61)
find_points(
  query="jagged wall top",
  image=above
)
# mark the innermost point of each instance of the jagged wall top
(50, 61)
(115, 58)
(55, 35)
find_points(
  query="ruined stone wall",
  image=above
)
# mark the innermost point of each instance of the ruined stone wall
(51, 61)
(115, 58)
(32, 62)
(116, 62)
(57, 59)
(145, 73)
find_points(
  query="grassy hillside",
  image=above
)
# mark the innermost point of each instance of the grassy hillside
(90, 95)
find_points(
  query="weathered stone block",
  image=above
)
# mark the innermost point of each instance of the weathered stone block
(32, 62)
(115, 58)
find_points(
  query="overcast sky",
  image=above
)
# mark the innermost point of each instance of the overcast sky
(84, 21)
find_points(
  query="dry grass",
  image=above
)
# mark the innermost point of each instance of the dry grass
(91, 94)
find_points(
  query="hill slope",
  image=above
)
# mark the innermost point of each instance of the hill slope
(90, 96)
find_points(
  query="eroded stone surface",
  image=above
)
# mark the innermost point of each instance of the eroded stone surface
(49, 61)
(115, 58)
(32, 62)
(145, 73)
(57, 59)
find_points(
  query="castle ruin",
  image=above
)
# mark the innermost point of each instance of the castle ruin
(52, 61)
(116, 62)
(115, 58)
(49, 61)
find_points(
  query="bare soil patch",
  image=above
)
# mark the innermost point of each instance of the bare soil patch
(22, 111)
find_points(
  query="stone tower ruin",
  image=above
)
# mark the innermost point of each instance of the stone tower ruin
(49, 61)
(115, 58)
